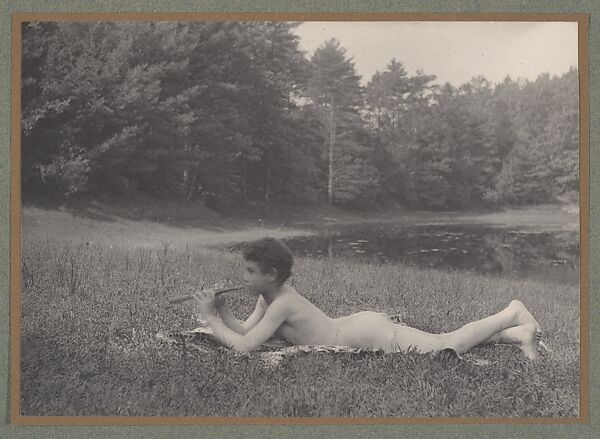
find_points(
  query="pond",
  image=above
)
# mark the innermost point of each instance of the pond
(500, 251)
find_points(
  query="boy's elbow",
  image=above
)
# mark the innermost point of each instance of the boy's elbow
(244, 346)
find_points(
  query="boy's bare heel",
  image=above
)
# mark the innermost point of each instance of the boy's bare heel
(529, 342)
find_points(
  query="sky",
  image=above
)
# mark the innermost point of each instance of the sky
(454, 52)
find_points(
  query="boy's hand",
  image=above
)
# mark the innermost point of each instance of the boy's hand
(219, 300)
(206, 301)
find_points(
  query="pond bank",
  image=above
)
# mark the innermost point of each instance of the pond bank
(54, 225)
(544, 217)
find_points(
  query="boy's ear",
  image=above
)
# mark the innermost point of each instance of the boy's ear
(273, 274)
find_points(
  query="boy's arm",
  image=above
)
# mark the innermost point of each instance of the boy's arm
(274, 316)
(236, 325)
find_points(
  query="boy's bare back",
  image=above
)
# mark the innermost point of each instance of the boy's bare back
(303, 322)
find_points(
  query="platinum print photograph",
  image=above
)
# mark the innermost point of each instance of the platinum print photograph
(343, 220)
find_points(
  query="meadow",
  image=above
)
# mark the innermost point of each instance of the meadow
(94, 294)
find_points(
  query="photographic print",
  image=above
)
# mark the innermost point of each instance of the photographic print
(337, 220)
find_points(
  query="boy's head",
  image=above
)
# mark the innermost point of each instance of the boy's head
(272, 256)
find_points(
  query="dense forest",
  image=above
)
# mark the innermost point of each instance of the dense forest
(235, 112)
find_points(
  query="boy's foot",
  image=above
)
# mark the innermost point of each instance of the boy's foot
(524, 317)
(528, 340)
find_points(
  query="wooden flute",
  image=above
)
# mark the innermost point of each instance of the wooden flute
(183, 298)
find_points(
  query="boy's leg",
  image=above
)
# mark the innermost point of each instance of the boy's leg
(480, 331)
(512, 335)
(507, 336)
(527, 337)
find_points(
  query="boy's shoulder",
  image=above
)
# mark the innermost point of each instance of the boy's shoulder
(288, 292)
(286, 298)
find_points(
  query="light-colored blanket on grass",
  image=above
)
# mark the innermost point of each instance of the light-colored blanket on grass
(271, 353)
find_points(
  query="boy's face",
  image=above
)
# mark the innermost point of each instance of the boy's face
(255, 279)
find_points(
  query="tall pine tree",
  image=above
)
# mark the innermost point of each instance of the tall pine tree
(337, 97)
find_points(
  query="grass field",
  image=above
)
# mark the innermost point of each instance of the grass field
(92, 304)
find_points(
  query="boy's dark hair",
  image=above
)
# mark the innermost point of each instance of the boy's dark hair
(271, 253)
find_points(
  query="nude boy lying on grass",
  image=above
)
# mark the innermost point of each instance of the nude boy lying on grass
(282, 312)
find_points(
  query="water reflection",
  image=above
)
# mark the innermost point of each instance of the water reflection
(489, 250)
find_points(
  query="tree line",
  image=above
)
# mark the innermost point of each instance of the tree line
(235, 112)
